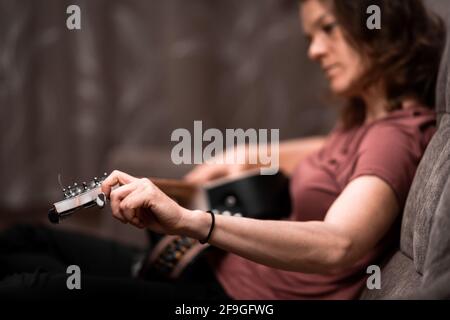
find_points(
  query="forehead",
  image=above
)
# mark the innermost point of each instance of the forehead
(313, 12)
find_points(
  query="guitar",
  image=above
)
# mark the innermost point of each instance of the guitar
(76, 197)
(249, 195)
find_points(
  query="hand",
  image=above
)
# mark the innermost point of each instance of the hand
(142, 204)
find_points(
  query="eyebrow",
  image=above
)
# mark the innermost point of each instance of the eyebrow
(319, 21)
(316, 24)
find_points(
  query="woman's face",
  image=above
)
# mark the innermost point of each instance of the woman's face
(343, 65)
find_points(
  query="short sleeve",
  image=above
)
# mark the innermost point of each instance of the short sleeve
(392, 153)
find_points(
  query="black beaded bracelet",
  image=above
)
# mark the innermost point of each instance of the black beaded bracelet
(213, 221)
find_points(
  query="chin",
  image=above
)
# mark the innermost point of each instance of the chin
(341, 88)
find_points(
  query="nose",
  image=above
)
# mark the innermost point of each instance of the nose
(317, 49)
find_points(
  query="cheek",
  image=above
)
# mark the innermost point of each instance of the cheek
(351, 68)
(354, 63)
(352, 72)
(344, 81)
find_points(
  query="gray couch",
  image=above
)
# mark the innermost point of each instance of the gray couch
(421, 266)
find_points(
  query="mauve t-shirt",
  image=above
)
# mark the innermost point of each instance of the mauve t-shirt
(389, 148)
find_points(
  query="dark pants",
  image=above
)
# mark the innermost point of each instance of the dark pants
(34, 261)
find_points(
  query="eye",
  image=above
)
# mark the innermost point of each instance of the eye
(329, 27)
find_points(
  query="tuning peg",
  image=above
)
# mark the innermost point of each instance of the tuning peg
(66, 194)
(78, 189)
(84, 186)
(75, 188)
(69, 192)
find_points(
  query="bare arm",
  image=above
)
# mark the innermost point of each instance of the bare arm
(357, 220)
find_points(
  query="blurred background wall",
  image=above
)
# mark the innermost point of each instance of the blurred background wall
(109, 95)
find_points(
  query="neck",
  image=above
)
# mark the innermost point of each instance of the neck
(376, 104)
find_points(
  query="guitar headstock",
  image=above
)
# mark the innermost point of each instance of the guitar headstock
(78, 196)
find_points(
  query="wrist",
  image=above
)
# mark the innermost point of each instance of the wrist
(195, 224)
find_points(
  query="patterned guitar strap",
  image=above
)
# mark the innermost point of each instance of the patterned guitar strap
(170, 256)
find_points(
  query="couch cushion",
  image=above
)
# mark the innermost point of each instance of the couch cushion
(437, 262)
(438, 289)
(436, 279)
(424, 195)
(398, 279)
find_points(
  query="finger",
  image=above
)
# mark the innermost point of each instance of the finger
(133, 202)
(116, 177)
(147, 201)
(137, 223)
(138, 205)
(139, 198)
(116, 196)
(129, 211)
(148, 220)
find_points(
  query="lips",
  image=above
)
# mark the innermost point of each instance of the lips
(329, 69)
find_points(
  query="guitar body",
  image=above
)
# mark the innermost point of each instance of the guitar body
(252, 195)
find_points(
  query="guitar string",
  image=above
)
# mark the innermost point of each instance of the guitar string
(59, 181)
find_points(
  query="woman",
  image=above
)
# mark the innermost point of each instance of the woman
(348, 189)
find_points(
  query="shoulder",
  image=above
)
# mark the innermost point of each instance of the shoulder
(408, 129)
(391, 148)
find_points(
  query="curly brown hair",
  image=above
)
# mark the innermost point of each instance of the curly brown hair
(404, 54)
